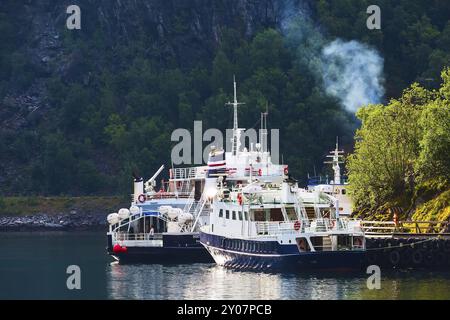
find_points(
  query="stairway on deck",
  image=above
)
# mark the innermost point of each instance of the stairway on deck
(310, 212)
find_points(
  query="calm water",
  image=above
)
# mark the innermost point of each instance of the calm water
(33, 266)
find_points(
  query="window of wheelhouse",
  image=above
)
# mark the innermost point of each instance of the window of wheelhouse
(221, 213)
(234, 215)
(227, 214)
(276, 215)
(263, 215)
(258, 215)
(240, 215)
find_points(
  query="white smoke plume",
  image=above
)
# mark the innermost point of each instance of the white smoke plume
(353, 73)
(349, 70)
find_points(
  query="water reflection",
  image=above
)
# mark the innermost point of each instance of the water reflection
(33, 266)
(202, 281)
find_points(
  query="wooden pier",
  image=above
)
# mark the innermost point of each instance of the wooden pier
(408, 244)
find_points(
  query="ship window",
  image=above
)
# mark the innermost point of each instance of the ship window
(260, 215)
(245, 215)
(240, 215)
(317, 243)
(344, 242)
(292, 215)
(234, 215)
(344, 191)
(227, 214)
(276, 215)
(221, 213)
(303, 245)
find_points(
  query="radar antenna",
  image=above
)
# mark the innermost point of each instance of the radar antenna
(236, 131)
(336, 156)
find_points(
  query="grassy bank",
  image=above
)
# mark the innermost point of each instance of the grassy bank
(23, 206)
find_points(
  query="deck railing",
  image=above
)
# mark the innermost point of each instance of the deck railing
(189, 173)
(163, 195)
(126, 236)
(277, 227)
(313, 225)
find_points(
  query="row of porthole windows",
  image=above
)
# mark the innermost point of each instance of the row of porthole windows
(250, 246)
(233, 215)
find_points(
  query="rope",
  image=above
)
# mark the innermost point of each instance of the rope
(404, 245)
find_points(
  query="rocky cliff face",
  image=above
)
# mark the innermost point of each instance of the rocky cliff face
(180, 32)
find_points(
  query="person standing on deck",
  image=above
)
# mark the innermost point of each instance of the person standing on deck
(152, 231)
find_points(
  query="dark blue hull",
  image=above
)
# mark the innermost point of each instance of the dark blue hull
(176, 249)
(163, 255)
(267, 256)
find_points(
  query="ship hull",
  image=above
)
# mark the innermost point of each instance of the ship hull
(280, 257)
(175, 249)
(163, 255)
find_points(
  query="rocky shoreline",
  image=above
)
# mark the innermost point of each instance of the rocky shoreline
(59, 222)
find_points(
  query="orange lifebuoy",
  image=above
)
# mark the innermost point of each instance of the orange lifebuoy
(142, 198)
(260, 172)
(297, 225)
(239, 198)
(286, 171)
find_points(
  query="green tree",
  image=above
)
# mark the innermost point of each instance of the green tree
(434, 158)
(402, 150)
(386, 148)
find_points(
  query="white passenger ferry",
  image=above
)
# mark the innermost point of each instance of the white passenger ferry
(163, 226)
(262, 223)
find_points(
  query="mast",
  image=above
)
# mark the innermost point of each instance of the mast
(236, 131)
(336, 156)
(263, 133)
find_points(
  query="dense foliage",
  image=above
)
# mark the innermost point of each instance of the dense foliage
(115, 111)
(403, 150)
